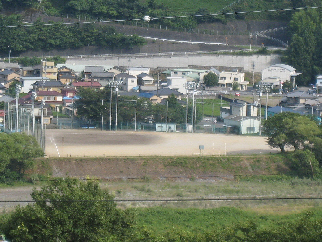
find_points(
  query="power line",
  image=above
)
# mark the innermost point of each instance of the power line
(172, 200)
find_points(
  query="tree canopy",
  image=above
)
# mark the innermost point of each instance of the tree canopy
(17, 153)
(211, 79)
(304, 51)
(290, 129)
(69, 210)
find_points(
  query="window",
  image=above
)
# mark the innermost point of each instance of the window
(235, 79)
(250, 130)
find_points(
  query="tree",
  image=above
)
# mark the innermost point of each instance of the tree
(89, 105)
(290, 129)
(211, 79)
(69, 210)
(17, 153)
(302, 53)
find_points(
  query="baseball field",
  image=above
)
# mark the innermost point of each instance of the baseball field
(97, 143)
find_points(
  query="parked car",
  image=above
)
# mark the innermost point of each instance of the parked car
(237, 94)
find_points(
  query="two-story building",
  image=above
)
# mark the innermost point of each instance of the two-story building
(228, 79)
(282, 72)
(49, 70)
(127, 82)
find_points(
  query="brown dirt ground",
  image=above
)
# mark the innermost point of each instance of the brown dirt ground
(97, 143)
(106, 145)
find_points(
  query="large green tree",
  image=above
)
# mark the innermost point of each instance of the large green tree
(69, 210)
(303, 51)
(17, 154)
(290, 129)
(211, 79)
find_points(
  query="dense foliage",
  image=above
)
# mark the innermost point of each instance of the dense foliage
(17, 153)
(60, 36)
(211, 79)
(69, 210)
(89, 107)
(300, 133)
(305, 50)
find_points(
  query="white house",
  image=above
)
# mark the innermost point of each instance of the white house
(189, 74)
(27, 82)
(319, 83)
(127, 82)
(177, 83)
(227, 79)
(283, 72)
(245, 125)
(135, 71)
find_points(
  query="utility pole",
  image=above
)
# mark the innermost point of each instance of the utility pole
(18, 88)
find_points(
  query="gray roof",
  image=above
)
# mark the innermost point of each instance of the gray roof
(287, 67)
(48, 84)
(91, 69)
(166, 91)
(6, 72)
(103, 74)
(6, 99)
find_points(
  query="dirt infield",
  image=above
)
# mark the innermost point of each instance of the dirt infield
(97, 143)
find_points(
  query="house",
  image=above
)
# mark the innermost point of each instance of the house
(78, 85)
(271, 83)
(135, 71)
(284, 73)
(27, 82)
(49, 70)
(48, 86)
(144, 79)
(31, 71)
(319, 84)
(10, 66)
(296, 98)
(66, 75)
(127, 82)
(165, 93)
(8, 75)
(177, 83)
(228, 79)
(190, 74)
(89, 70)
(104, 78)
(243, 125)
(68, 92)
(239, 108)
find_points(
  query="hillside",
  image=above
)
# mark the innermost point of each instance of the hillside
(155, 168)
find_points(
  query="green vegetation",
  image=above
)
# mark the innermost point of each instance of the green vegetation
(211, 79)
(227, 224)
(60, 36)
(17, 154)
(89, 107)
(69, 210)
(304, 51)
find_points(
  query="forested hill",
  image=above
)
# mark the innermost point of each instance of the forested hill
(303, 20)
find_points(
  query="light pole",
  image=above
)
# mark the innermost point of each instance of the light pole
(135, 108)
(33, 97)
(102, 113)
(116, 90)
(18, 88)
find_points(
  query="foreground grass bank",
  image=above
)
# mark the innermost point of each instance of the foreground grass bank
(228, 224)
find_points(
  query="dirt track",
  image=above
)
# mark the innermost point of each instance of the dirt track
(96, 143)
